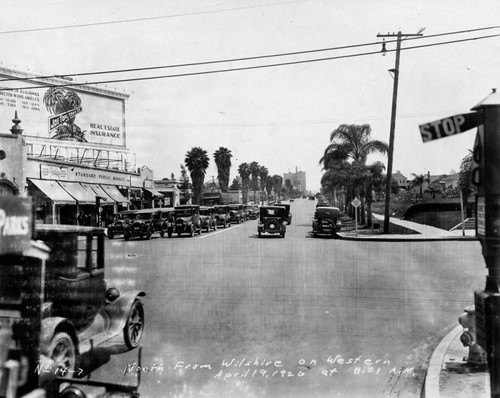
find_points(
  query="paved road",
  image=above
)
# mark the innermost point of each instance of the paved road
(231, 315)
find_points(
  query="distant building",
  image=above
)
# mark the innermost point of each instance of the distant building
(402, 181)
(298, 180)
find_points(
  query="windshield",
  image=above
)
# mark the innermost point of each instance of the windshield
(144, 216)
(220, 210)
(330, 213)
(271, 212)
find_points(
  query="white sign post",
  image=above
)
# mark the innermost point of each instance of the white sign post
(356, 202)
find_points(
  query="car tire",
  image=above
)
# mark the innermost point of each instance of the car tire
(127, 236)
(191, 231)
(62, 351)
(282, 234)
(215, 227)
(260, 234)
(178, 234)
(134, 327)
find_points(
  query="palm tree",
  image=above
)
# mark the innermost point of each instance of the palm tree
(465, 180)
(197, 163)
(434, 189)
(277, 185)
(418, 181)
(352, 143)
(254, 170)
(244, 173)
(288, 186)
(263, 175)
(222, 157)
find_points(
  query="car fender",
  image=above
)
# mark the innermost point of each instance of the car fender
(119, 309)
(53, 325)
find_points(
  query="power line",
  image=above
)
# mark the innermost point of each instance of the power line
(186, 74)
(251, 58)
(86, 25)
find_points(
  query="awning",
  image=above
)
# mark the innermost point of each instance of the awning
(154, 192)
(115, 194)
(53, 191)
(82, 195)
(105, 198)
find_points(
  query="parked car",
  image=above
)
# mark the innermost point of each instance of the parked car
(78, 311)
(207, 218)
(272, 220)
(145, 224)
(222, 215)
(253, 212)
(236, 213)
(326, 221)
(168, 220)
(288, 213)
(119, 225)
(187, 219)
(322, 204)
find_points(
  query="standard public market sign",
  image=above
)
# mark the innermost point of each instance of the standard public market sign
(15, 224)
(449, 126)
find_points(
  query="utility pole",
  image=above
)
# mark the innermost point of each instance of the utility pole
(399, 38)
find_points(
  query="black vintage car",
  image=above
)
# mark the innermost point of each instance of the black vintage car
(168, 220)
(222, 215)
(272, 220)
(326, 221)
(207, 218)
(288, 212)
(119, 225)
(187, 219)
(253, 212)
(61, 310)
(236, 213)
(145, 224)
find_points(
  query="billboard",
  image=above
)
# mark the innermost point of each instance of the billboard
(64, 113)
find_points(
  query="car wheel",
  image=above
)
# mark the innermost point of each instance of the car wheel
(282, 234)
(170, 234)
(134, 327)
(62, 351)
(208, 228)
(215, 227)
(127, 236)
(178, 234)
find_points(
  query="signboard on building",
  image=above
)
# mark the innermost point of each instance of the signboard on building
(53, 172)
(15, 224)
(64, 113)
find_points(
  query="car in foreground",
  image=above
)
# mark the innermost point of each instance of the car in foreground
(222, 216)
(119, 225)
(326, 221)
(146, 223)
(187, 220)
(79, 312)
(272, 220)
(207, 218)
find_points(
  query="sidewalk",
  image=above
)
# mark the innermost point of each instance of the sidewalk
(449, 376)
(422, 232)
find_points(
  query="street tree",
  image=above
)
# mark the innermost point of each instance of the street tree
(235, 185)
(277, 185)
(185, 185)
(418, 181)
(222, 158)
(254, 169)
(197, 162)
(263, 176)
(465, 179)
(244, 172)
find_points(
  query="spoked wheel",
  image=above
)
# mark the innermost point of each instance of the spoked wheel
(132, 332)
(61, 351)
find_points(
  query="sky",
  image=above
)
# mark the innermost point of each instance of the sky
(279, 116)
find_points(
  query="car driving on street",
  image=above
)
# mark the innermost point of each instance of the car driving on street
(272, 220)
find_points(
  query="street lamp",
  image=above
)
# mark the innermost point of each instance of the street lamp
(399, 38)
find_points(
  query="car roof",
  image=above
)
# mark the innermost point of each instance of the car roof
(185, 207)
(127, 212)
(147, 211)
(327, 208)
(272, 207)
(206, 207)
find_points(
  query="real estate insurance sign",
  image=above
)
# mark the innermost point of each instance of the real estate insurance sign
(63, 113)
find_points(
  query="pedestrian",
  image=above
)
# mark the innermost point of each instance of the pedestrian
(81, 218)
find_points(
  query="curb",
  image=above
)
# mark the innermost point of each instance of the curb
(431, 386)
(387, 238)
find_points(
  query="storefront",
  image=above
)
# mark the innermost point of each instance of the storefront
(72, 158)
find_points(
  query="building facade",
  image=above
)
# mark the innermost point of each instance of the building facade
(298, 180)
(71, 149)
